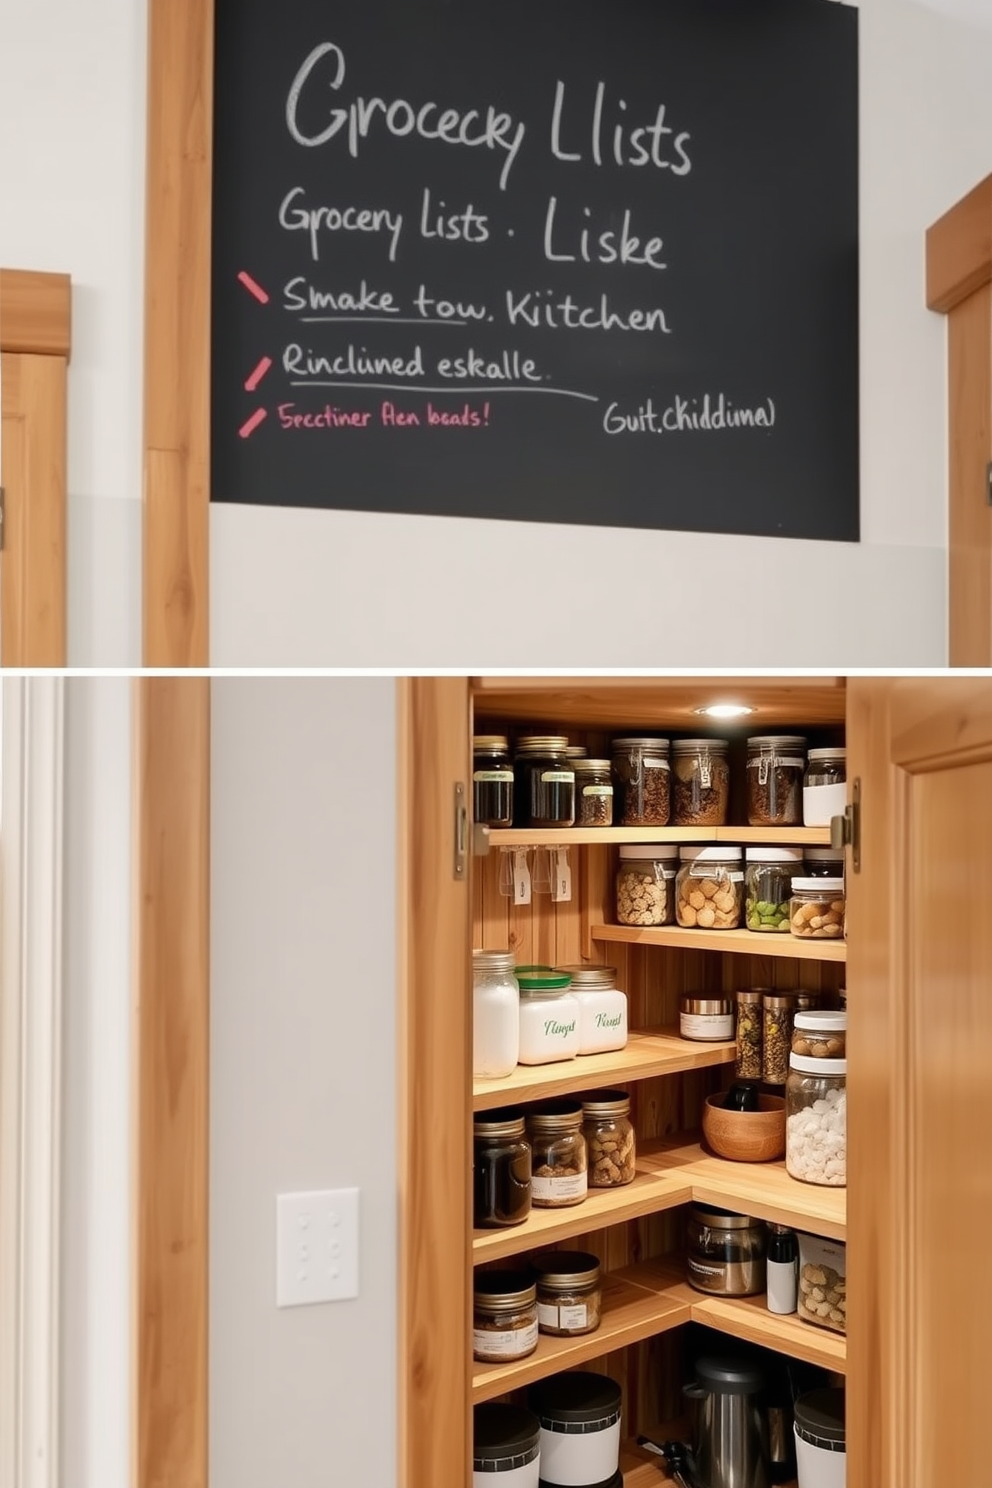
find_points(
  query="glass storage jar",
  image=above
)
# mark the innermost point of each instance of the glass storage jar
(700, 782)
(642, 771)
(495, 1015)
(549, 1016)
(816, 1120)
(610, 1141)
(708, 889)
(602, 1007)
(768, 886)
(820, 1035)
(778, 1010)
(817, 908)
(501, 1163)
(726, 1252)
(775, 764)
(544, 782)
(646, 884)
(824, 786)
(492, 781)
(706, 1018)
(824, 862)
(593, 793)
(559, 1173)
(749, 1028)
(505, 1316)
(569, 1292)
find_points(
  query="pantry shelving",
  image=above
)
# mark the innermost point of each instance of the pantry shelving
(743, 942)
(605, 836)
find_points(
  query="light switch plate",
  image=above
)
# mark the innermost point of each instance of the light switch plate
(316, 1247)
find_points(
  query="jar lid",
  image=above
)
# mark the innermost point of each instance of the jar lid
(565, 1268)
(660, 744)
(577, 1396)
(711, 855)
(699, 746)
(539, 743)
(776, 741)
(706, 1007)
(819, 1419)
(824, 854)
(490, 741)
(575, 751)
(506, 1434)
(730, 1376)
(773, 854)
(644, 852)
(542, 983)
(822, 754)
(607, 1103)
(751, 994)
(590, 978)
(804, 1065)
(507, 1122)
(829, 1022)
(504, 1289)
(493, 960)
(555, 1115)
(720, 1219)
(779, 999)
(818, 885)
(590, 766)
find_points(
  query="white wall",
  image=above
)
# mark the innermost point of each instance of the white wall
(303, 989)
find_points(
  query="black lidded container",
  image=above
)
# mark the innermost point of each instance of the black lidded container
(505, 1439)
(820, 1420)
(580, 1413)
(501, 1163)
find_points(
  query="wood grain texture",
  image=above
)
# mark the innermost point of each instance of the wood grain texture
(740, 942)
(969, 349)
(33, 560)
(959, 249)
(172, 917)
(177, 334)
(661, 701)
(35, 313)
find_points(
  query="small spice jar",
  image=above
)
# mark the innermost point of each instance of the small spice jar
(492, 781)
(560, 1165)
(569, 1292)
(726, 1252)
(495, 1015)
(646, 883)
(820, 1035)
(824, 786)
(768, 886)
(501, 1164)
(778, 1011)
(816, 1120)
(824, 862)
(642, 771)
(549, 1016)
(544, 782)
(700, 782)
(610, 1141)
(708, 887)
(593, 793)
(706, 1019)
(505, 1316)
(749, 1034)
(602, 1007)
(817, 908)
(775, 765)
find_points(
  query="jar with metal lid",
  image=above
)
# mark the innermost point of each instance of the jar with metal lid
(505, 1316)
(575, 751)
(501, 1163)
(749, 1034)
(768, 886)
(610, 1141)
(642, 771)
(824, 862)
(569, 1292)
(506, 1447)
(646, 884)
(824, 786)
(544, 782)
(706, 1018)
(816, 1120)
(549, 1016)
(560, 1164)
(805, 1001)
(726, 1252)
(820, 1035)
(700, 782)
(492, 781)
(708, 889)
(495, 1015)
(817, 908)
(778, 1011)
(602, 1007)
(593, 793)
(775, 765)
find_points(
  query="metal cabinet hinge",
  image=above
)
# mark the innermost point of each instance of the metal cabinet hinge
(988, 482)
(3, 514)
(845, 831)
(461, 830)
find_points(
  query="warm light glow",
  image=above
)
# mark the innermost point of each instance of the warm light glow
(725, 710)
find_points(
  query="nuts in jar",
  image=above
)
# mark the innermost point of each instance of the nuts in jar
(708, 888)
(817, 908)
(820, 1035)
(645, 883)
(700, 782)
(822, 1296)
(609, 1139)
(505, 1316)
(569, 1292)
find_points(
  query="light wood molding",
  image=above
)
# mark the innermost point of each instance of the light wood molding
(959, 250)
(175, 585)
(172, 908)
(660, 701)
(35, 313)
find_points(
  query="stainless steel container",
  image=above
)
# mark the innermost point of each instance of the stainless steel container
(730, 1437)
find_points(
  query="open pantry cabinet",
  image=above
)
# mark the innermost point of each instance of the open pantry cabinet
(922, 751)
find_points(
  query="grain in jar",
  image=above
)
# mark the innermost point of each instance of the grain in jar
(642, 771)
(709, 888)
(610, 1141)
(749, 1033)
(817, 908)
(560, 1162)
(505, 1316)
(775, 764)
(778, 1011)
(646, 884)
(593, 793)
(700, 782)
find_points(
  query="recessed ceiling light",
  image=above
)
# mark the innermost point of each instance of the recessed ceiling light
(725, 710)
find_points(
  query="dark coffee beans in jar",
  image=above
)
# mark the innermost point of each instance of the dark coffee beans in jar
(700, 782)
(544, 782)
(775, 766)
(492, 781)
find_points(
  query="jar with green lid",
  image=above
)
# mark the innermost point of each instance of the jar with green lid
(646, 883)
(700, 782)
(775, 765)
(492, 781)
(609, 1135)
(642, 771)
(504, 1324)
(778, 1010)
(559, 1172)
(768, 886)
(749, 1032)
(569, 1292)
(501, 1169)
(593, 793)
(544, 782)
(549, 1016)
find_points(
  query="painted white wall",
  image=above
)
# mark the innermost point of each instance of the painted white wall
(303, 985)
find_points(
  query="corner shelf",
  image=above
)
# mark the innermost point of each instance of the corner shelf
(739, 942)
(603, 836)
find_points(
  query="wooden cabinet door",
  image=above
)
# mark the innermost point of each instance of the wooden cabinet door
(920, 1081)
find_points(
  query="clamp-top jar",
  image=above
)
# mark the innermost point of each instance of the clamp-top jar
(700, 782)
(544, 779)
(492, 781)
(768, 886)
(708, 888)
(642, 770)
(825, 786)
(775, 765)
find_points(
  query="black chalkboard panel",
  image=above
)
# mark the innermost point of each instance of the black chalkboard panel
(584, 261)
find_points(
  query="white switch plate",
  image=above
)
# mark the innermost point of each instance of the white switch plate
(316, 1247)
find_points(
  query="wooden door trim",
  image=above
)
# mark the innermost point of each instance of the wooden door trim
(959, 250)
(35, 313)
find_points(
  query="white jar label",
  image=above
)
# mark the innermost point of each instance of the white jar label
(558, 777)
(562, 1186)
(509, 1341)
(597, 790)
(736, 877)
(653, 764)
(482, 777)
(576, 1315)
(706, 1025)
(821, 802)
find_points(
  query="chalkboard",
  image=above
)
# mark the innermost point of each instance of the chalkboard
(573, 261)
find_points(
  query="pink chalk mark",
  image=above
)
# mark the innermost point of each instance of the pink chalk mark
(252, 382)
(250, 425)
(253, 287)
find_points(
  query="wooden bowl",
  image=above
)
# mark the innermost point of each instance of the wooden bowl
(746, 1136)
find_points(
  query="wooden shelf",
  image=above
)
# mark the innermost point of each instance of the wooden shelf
(643, 1469)
(602, 836)
(739, 942)
(666, 702)
(654, 1052)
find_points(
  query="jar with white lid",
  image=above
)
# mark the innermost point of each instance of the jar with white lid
(549, 1017)
(506, 1447)
(544, 782)
(700, 782)
(602, 1007)
(820, 1035)
(816, 1120)
(495, 1015)
(709, 887)
(610, 1140)
(824, 786)
(775, 765)
(560, 1161)
(646, 884)
(824, 862)
(593, 793)
(768, 886)
(505, 1316)
(642, 771)
(817, 908)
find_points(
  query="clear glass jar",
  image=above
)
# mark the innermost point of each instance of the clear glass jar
(642, 771)
(549, 1016)
(700, 782)
(559, 1174)
(610, 1140)
(492, 781)
(602, 1007)
(544, 782)
(726, 1252)
(817, 908)
(749, 1034)
(824, 862)
(768, 886)
(504, 1325)
(593, 793)
(706, 1018)
(824, 786)
(820, 1035)
(778, 1010)
(709, 888)
(495, 1015)
(646, 884)
(501, 1169)
(816, 1120)
(775, 765)
(569, 1292)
